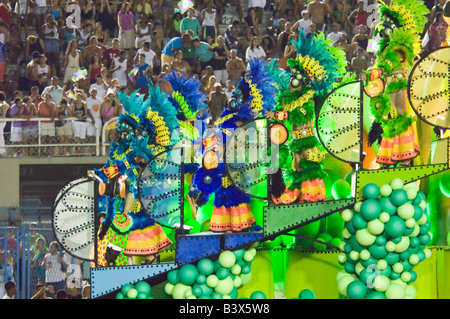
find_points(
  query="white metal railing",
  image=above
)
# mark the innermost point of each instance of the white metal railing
(111, 124)
(36, 147)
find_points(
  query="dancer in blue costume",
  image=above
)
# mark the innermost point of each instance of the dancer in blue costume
(231, 209)
(147, 128)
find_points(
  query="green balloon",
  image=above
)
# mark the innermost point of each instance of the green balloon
(222, 273)
(197, 290)
(143, 287)
(395, 291)
(132, 293)
(376, 295)
(239, 253)
(306, 294)
(227, 259)
(216, 295)
(378, 251)
(234, 293)
(399, 197)
(212, 281)
(142, 295)
(205, 266)
(187, 274)
(395, 227)
(444, 185)
(371, 191)
(201, 279)
(359, 222)
(356, 290)
(172, 277)
(225, 286)
(258, 295)
(370, 209)
(126, 288)
(205, 226)
(387, 205)
(120, 296)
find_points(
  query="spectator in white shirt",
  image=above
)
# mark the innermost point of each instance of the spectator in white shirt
(336, 34)
(254, 51)
(100, 85)
(303, 23)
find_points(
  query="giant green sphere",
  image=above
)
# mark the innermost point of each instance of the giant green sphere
(370, 209)
(172, 277)
(359, 222)
(205, 266)
(364, 237)
(378, 251)
(341, 189)
(225, 286)
(212, 281)
(385, 190)
(406, 211)
(395, 291)
(126, 288)
(376, 295)
(356, 290)
(395, 227)
(180, 290)
(399, 197)
(381, 283)
(258, 295)
(143, 287)
(132, 293)
(371, 191)
(222, 273)
(387, 205)
(187, 274)
(306, 294)
(375, 227)
(227, 259)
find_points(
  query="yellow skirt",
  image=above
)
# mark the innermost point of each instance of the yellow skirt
(399, 148)
(147, 241)
(236, 218)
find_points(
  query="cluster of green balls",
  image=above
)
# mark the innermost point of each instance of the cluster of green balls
(209, 279)
(141, 290)
(385, 236)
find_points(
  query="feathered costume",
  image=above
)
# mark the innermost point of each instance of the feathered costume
(147, 129)
(402, 23)
(313, 74)
(231, 209)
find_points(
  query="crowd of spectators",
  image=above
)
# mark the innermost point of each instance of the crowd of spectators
(53, 273)
(66, 60)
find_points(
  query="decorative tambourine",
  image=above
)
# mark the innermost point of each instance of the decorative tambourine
(376, 84)
(210, 160)
(278, 133)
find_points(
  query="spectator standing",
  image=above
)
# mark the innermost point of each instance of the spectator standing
(79, 126)
(100, 86)
(210, 21)
(283, 38)
(359, 62)
(217, 102)
(303, 23)
(4, 107)
(125, 20)
(150, 55)
(47, 109)
(190, 23)
(93, 106)
(235, 67)
(336, 34)
(51, 42)
(90, 50)
(143, 32)
(221, 55)
(144, 75)
(204, 53)
(181, 66)
(100, 34)
(64, 130)
(174, 44)
(251, 21)
(69, 33)
(232, 36)
(29, 136)
(258, 6)
(94, 68)
(40, 250)
(175, 24)
(88, 13)
(358, 17)
(254, 51)
(112, 52)
(229, 89)
(361, 38)
(40, 10)
(17, 111)
(318, 11)
(44, 72)
(54, 262)
(72, 61)
(109, 111)
(119, 69)
(104, 13)
(33, 44)
(85, 34)
(55, 90)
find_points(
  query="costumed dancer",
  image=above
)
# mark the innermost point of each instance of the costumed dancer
(402, 22)
(231, 209)
(190, 102)
(313, 74)
(147, 129)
